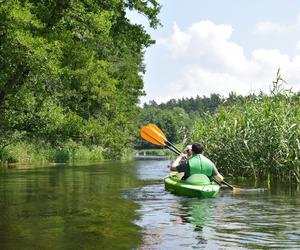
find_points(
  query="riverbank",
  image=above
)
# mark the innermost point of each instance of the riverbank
(25, 153)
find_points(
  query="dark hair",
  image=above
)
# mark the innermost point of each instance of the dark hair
(197, 148)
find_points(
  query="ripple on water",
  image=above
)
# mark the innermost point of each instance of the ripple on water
(255, 218)
(247, 220)
(258, 223)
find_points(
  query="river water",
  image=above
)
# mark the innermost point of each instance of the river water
(123, 205)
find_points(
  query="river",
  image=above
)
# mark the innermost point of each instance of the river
(123, 205)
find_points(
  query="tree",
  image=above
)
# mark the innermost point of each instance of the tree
(175, 123)
(72, 69)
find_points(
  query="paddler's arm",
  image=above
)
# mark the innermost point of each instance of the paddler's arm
(217, 176)
(176, 163)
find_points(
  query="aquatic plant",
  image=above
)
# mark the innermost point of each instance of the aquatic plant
(256, 136)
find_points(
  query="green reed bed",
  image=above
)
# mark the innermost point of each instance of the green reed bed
(257, 136)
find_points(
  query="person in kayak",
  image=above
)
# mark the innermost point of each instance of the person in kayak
(188, 151)
(197, 164)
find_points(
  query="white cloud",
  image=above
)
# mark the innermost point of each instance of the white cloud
(212, 63)
(268, 27)
(298, 46)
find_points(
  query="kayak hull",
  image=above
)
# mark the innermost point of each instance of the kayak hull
(174, 185)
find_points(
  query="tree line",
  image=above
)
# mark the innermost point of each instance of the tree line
(177, 117)
(255, 135)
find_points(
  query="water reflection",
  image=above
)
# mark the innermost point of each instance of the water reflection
(255, 218)
(117, 205)
(68, 208)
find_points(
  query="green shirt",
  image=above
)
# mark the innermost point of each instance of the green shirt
(200, 165)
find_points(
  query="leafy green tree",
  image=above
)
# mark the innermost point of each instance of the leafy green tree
(72, 70)
(175, 123)
(197, 106)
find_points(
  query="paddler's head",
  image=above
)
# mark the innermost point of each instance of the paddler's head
(188, 150)
(197, 148)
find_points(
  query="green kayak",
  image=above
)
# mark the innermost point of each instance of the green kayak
(197, 185)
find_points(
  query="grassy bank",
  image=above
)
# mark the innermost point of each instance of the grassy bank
(256, 136)
(42, 153)
(153, 152)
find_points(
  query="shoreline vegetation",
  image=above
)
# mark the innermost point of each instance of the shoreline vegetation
(254, 136)
(72, 77)
(24, 154)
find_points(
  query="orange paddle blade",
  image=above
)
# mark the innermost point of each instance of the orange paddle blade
(149, 135)
(157, 130)
(161, 134)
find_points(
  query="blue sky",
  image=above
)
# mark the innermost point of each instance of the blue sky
(219, 46)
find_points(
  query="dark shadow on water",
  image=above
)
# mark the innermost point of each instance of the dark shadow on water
(69, 207)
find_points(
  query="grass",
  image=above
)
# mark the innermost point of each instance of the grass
(257, 136)
(43, 153)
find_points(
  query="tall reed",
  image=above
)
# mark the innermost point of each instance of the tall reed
(257, 136)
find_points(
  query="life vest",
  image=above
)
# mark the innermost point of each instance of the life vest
(199, 164)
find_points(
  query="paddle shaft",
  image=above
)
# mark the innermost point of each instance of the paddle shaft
(171, 145)
(228, 185)
(172, 149)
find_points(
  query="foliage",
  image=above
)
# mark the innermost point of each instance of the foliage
(176, 117)
(192, 106)
(256, 136)
(71, 70)
(175, 123)
(41, 152)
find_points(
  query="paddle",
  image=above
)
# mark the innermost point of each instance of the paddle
(154, 135)
(151, 135)
(159, 133)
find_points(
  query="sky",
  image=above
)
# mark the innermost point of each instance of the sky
(221, 46)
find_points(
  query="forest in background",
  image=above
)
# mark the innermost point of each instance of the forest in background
(256, 135)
